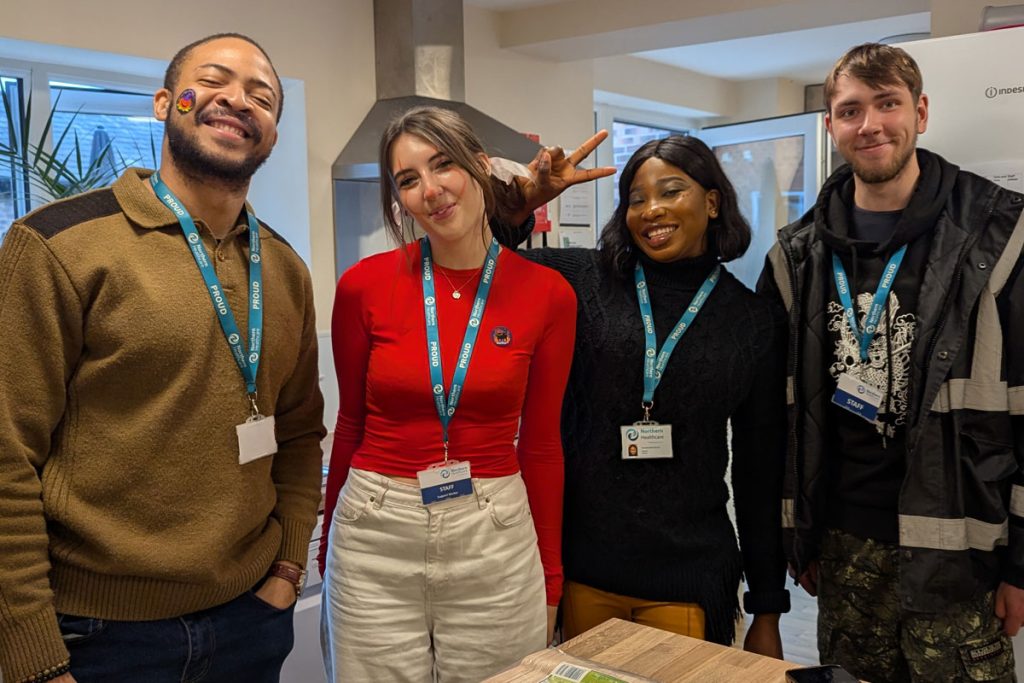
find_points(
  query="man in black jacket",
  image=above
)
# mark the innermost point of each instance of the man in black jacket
(904, 496)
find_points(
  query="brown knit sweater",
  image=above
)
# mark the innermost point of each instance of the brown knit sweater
(121, 496)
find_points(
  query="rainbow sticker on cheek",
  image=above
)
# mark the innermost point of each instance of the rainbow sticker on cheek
(186, 100)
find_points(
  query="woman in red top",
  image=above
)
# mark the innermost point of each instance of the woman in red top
(443, 367)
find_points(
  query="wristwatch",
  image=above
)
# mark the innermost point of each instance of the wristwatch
(296, 577)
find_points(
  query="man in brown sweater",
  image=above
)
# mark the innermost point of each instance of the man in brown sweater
(160, 419)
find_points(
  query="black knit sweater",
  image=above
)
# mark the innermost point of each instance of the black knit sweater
(658, 529)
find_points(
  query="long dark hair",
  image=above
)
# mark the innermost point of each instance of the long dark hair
(728, 234)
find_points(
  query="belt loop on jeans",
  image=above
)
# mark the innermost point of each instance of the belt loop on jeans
(385, 486)
(483, 499)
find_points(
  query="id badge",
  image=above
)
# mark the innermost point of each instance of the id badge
(646, 441)
(857, 397)
(444, 481)
(256, 439)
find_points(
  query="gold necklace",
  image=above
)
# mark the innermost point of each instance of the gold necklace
(456, 294)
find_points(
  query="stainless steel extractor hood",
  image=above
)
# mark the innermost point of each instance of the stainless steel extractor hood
(420, 61)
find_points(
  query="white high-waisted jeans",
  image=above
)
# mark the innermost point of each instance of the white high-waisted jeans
(412, 592)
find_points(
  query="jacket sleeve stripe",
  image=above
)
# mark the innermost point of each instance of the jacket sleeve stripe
(780, 270)
(1004, 266)
(951, 534)
(1016, 398)
(960, 394)
(1017, 501)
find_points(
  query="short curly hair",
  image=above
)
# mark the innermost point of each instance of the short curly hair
(173, 72)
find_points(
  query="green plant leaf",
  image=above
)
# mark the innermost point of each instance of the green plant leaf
(50, 175)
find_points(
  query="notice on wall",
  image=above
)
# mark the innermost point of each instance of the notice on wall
(576, 236)
(576, 205)
(1008, 174)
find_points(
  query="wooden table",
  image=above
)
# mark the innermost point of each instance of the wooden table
(672, 658)
(666, 657)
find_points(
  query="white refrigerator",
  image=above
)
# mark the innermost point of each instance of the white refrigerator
(975, 92)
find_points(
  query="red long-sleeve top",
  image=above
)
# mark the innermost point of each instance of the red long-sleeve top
(387, 422)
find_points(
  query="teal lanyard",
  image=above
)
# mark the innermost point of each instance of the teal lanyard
(877, 304)
(446, 408)
(655, 361)
(248, 362)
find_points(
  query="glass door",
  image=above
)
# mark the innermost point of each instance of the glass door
(777, 166)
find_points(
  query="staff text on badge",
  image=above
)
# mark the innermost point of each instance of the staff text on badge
(857, 397)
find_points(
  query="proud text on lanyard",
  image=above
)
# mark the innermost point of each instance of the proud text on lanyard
(248, 362)
(655, 361)
(446, 407)
(877, 304)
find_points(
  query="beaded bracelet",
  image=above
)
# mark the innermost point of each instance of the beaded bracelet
(50, 673)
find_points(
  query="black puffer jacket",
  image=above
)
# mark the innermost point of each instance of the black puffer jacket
(961, 505)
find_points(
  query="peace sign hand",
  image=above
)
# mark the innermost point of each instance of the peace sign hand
(553, 172)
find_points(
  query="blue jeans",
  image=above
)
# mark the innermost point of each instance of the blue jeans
(242, 640)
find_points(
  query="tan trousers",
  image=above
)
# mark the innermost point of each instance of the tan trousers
(584, 607)
(415, 594)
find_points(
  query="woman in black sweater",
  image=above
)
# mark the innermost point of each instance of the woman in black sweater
(648, 538)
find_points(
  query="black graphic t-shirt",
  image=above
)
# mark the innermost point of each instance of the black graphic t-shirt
(869, 465)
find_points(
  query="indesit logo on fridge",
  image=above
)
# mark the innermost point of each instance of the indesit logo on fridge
(992, 91)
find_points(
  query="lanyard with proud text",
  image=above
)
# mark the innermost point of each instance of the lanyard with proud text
(249, 362)
(655, 361)
(877, 304)
(446, 408)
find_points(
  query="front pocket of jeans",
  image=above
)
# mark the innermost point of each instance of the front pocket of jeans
(509, 506)
(75, 630)
(266, 605)
(353, 505)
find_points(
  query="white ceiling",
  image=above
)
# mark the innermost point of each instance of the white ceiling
(803, 56)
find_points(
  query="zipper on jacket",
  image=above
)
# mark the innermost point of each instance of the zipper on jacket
(794, 359)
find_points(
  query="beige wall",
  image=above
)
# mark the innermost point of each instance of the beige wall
(765, 98)
(553, 99)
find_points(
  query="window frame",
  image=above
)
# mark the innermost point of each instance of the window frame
(23, 205)
(36, 78)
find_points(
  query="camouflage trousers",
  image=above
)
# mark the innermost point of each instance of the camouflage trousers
(862, 627)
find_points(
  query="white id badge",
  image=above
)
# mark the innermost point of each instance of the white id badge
(646, 441)
(444, 481)
(859, 398)
(256, 439)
